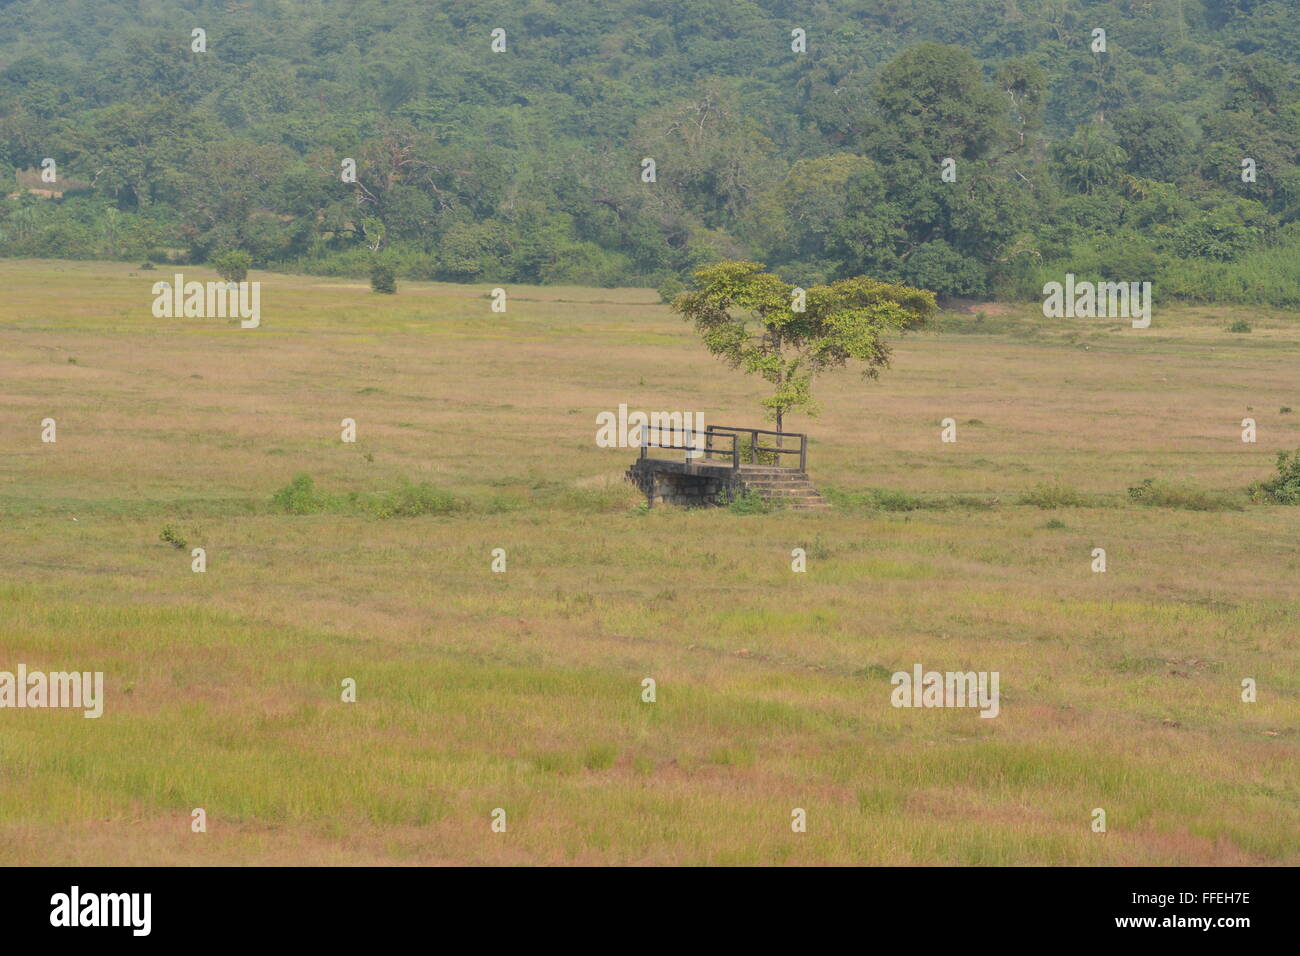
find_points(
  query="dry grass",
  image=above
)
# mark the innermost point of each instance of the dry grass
(522, 690)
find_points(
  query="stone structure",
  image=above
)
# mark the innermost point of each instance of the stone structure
(698, 479)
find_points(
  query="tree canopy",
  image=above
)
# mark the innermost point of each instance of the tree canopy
(526, 165)
(787, 335)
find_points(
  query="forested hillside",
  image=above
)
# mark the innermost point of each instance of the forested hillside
(527, 164)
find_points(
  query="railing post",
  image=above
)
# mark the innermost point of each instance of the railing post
(753, 447)
(803, 452)
(735, 452)
(643, 440)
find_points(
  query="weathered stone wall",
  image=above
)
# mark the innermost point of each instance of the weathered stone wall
(675, 483)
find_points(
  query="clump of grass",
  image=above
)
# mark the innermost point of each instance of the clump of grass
(1169, 494)
(818, 549)
(413, 501)
(887, 499)
(1240, 325)
(301, 496)
(1053, 494)
(1284, 410)
(599, 757)
(750, 503)
(891, 499)
(172, 537)
(1284, 489)
(1055, 525)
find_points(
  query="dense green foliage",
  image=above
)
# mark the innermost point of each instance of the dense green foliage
(787, 335)
(383, 279)
(527, 165)
(232, 265)
(1285, 487)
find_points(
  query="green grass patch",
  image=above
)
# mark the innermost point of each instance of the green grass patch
(1172, 494)
(1050, 495)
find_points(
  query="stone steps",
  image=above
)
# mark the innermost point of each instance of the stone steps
(791, 488)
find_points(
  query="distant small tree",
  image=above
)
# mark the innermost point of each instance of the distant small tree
(383, 278)
(232, 264)
(747, 317)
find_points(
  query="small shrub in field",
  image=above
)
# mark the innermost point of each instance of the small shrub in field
(1168, 494)
(146, 265)
(1240, 325)
(750, 503)
(1285, 488)
(299, 497)
(1053, 495)
(412, 501)
(232, 264)
(1284, 410)
(383, 279)
(172, 537)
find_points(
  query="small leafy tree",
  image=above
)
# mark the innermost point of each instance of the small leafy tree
(747, 317)
(232, 264)
(1285, 488)
(383, 278)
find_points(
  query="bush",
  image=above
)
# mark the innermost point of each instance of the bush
(383, 279)
(1240, 325)
(1048, 495)
(232, 264)
(299, 497)
(1285, 488)
(1166, 494)
(172, 537)
(670, 289)
(411, 501)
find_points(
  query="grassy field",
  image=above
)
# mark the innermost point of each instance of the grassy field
(478, 690)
